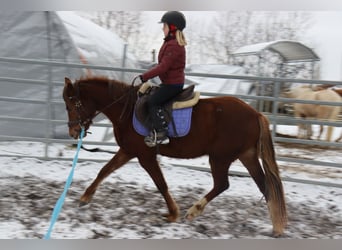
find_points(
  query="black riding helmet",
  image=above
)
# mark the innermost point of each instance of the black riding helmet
(174, 17)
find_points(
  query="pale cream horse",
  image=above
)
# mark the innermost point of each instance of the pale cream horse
(338, 91)
(314, 111)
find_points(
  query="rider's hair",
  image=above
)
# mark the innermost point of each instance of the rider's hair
(180, 38)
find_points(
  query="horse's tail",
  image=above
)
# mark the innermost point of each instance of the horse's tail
(274, 192)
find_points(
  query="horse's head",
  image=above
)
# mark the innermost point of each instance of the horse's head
(80, 111)
(297, 91)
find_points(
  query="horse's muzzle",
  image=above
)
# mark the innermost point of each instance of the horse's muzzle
(75, 132)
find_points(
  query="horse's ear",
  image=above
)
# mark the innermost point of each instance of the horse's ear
(288, 93)
(67, 81)
(68, 87)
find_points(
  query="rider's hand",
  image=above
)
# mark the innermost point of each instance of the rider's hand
(141, 79)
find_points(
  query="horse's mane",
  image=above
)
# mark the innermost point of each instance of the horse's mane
(103, 80)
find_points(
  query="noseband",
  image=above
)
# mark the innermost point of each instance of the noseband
(79, 109)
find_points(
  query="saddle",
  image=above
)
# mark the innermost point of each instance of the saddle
(187, 98)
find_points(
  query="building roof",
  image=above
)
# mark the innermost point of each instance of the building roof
(290, 51)
(218, 85)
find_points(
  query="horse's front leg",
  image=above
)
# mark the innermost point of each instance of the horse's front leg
(119, 159)
(321, 127)
(150, 164)
(303, 131)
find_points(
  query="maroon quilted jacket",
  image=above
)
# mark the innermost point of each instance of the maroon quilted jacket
(171, 64)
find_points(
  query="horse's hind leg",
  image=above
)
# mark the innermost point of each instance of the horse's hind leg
(219, 171)
(330, 131)
(153, 169)
(119, 159)
(250, 160)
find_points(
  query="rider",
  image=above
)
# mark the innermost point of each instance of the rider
(170, 69)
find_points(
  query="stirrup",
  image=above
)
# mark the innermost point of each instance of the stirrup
(164, 140)
(155, 139)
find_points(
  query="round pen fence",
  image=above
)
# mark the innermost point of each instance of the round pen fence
(52, 108)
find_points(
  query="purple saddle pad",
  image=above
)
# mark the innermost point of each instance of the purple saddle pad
(182, 120)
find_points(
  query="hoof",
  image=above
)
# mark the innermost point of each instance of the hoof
(189, 217)
(83, 204)
(277, 234)
(196, 209)
(170, 217)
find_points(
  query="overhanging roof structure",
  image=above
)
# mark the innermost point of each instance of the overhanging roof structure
(290, 51)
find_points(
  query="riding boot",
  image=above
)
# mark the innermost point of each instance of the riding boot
(159, 134)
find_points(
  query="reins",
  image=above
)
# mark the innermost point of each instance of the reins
(124, 110)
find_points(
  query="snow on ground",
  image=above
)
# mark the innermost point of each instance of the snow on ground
(128, 205)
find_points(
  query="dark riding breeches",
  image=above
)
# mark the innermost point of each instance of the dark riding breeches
(156, 101)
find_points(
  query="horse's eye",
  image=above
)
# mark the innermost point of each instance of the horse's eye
(67, 108)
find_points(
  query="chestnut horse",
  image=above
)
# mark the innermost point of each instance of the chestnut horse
(223, 128)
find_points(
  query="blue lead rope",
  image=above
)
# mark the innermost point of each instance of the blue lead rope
(61, 199)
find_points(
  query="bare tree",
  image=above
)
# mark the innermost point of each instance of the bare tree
(126, 24)
(214, 42)
(233, 29)
(226, 31)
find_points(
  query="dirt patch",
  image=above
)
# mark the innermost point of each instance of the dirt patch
(129, 210)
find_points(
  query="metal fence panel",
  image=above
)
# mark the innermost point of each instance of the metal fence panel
(274, 117)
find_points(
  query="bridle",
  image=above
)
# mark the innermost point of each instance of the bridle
(79, 110)
(89, 118)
